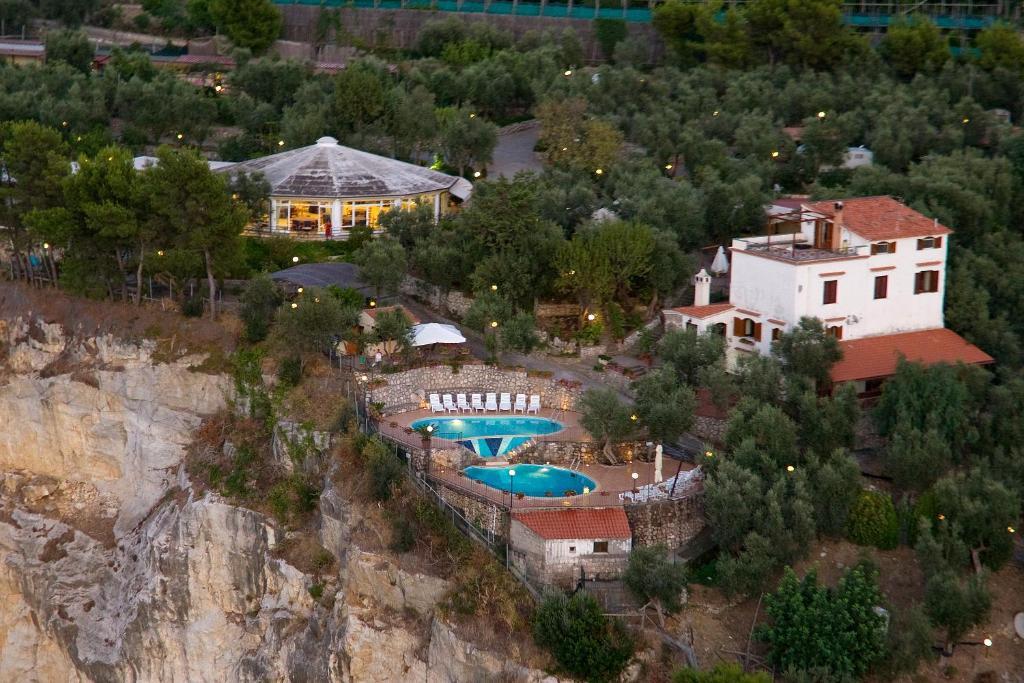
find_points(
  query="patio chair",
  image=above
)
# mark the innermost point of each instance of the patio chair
(462, 403)
(477, 402)
(534, 404)
(520, 404)
(506, 403)
(449, 404)
(435, 404)
(491, 403)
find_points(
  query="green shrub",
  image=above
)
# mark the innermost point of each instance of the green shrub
(316, 590)
(289, 371)
(722, 673)
(403, 535)
(279, 502)
(259, 302)
(385, 469)
(585, 643)
(192, 307)
(873, 521)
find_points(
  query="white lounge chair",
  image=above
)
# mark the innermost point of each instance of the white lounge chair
(462, 403)
(435, 404)
(520, 404)
(506, 403)
(491, 403)
(534, 406)
(449, 404)
(477, 402)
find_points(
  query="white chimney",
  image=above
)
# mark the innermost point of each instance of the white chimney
(701, 288)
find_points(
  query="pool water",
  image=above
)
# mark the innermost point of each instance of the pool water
(489, 436)
(533, 480)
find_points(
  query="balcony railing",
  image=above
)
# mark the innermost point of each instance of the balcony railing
(793, 247)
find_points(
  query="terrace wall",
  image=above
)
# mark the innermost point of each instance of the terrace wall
(408, 390)
(673, 523)
(400, 28)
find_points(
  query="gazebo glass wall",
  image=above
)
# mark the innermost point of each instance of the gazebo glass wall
(335, 218)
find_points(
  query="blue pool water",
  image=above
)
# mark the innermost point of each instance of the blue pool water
(533, 480)
(489, 436)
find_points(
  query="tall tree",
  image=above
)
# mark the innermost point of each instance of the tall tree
(382, 265)
(914, 45)
(193, 204)
(254, 24)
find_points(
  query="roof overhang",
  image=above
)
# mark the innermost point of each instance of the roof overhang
(878, 357)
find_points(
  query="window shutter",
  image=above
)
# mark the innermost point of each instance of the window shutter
(737, 327)
(874, 248)
(892, 247)
(938, 242)
(918, 282)
(920, 244)
(757, 331)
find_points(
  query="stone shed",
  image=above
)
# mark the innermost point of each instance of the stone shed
(552, 546)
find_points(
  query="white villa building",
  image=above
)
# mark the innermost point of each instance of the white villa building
(324, 190)
(872, 269)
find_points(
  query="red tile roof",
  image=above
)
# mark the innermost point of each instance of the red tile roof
(880, 218)
(577, 523)
(876, 357)
(703, 311)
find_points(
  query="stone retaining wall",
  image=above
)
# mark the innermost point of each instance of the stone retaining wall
(710, 429)
(673, 523)
(486, 515)
(566, 452)
(406, 390)
(453, 302)
(400, 28)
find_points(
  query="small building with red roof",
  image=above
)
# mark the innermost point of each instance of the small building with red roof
(553, 547)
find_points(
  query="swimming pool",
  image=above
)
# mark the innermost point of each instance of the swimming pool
(489, 436)
(533, 480)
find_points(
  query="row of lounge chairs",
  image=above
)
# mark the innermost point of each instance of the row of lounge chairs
(478, 403)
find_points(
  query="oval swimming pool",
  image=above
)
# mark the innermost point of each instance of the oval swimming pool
(489, 436)
(541, 481)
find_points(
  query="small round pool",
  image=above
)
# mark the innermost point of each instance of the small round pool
(489, 436)
(541, 481)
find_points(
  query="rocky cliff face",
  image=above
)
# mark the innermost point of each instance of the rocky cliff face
(113, 568)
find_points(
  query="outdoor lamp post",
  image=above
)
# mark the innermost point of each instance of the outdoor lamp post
(635, 476)
(508, 538)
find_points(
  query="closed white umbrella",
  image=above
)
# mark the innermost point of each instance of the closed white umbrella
(436, 333)
(658, 478)
(720, 265)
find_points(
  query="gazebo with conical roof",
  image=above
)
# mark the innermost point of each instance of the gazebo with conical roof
(325, 190)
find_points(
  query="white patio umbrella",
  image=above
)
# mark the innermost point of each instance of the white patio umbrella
(436, 333)
(720, 265)
(658, 478)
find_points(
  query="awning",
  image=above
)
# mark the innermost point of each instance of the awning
(436, 333)
(877, 357)
(461, 189)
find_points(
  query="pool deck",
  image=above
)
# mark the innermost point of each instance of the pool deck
(570, 421)
(611, 480)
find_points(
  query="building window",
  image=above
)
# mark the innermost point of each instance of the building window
(690, 327)
(718, 328)
(881, 286)
(776, 333)
(883, 248)
(572, 549)
(834, 331)
(600, 546)
(929, 243)
(926, 281)
(831, 292)
(746, 327)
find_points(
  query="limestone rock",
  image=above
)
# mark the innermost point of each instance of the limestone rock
(378, 579)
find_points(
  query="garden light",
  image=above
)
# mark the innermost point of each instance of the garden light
(280, 143)
(46, 245)
(295, 259)
(476, 174)
(568, 72)
(633, 417)
(775, 154)
(821, 114)
(300, 290)
(790, 468)
(181, 135)
(494, 323)
(598, 171)
(494, 288)
(294, 305)
(591, 317)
